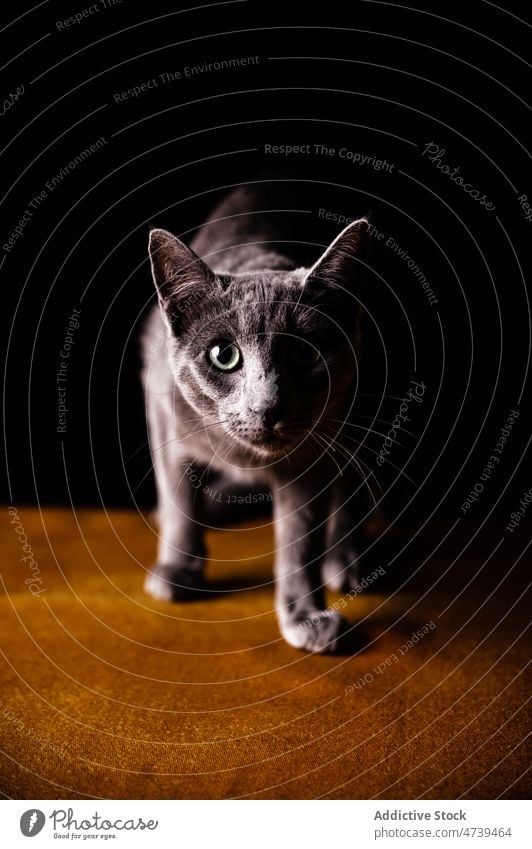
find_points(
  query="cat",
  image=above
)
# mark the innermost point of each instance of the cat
(250, 371)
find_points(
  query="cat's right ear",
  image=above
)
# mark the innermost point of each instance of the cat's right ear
(178, 273)
(344, 262)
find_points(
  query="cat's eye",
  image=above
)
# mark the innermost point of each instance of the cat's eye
(224, 357)
(304, 353)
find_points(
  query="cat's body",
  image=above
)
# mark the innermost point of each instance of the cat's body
(250, 374)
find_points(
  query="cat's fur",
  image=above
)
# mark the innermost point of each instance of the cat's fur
(269, 422)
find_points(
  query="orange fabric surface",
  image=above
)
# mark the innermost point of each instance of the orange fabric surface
(107, 693)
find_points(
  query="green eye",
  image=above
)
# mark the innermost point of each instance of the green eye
(224, 357)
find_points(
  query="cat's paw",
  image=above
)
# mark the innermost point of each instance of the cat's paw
(319, 632)
(340, 572)
(174, 582)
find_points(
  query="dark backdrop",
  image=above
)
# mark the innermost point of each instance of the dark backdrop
(379, 80)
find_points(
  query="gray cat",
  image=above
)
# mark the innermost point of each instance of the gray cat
(250, 370)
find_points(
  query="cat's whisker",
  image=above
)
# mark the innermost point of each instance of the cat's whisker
(151, 468)
(202, 428)
(341, 447)
(323, 446)
(195, 419)
(350, 457)
(357, 403)
(327, 451)
(340, 434)
(334, 435)
(166, 444)
(175, 438)
(223, 440)
(386, 460)
(358, 427)
(381, 421)
(368, 430)
(365, 471)
(147, 441)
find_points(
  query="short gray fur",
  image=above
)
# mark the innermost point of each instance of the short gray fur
(275, 421)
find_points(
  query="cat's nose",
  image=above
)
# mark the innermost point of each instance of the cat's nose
(270, 417)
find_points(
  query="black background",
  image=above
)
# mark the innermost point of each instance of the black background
(375, 78)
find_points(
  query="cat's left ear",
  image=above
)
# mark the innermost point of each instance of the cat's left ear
(178, 272)
(344, 262)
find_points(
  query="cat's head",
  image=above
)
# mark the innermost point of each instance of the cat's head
(271, 353)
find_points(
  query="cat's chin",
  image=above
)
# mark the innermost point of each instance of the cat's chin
(268, 450)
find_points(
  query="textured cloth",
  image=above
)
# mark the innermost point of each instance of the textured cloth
(107, 693)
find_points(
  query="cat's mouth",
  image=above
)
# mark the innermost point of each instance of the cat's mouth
(271, 446)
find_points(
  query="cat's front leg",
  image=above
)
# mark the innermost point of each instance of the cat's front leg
(345, 538)
(180, 564)
(300, 520)
(181, 554)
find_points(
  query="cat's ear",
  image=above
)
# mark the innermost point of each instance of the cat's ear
(178, 273)
(344, 262)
